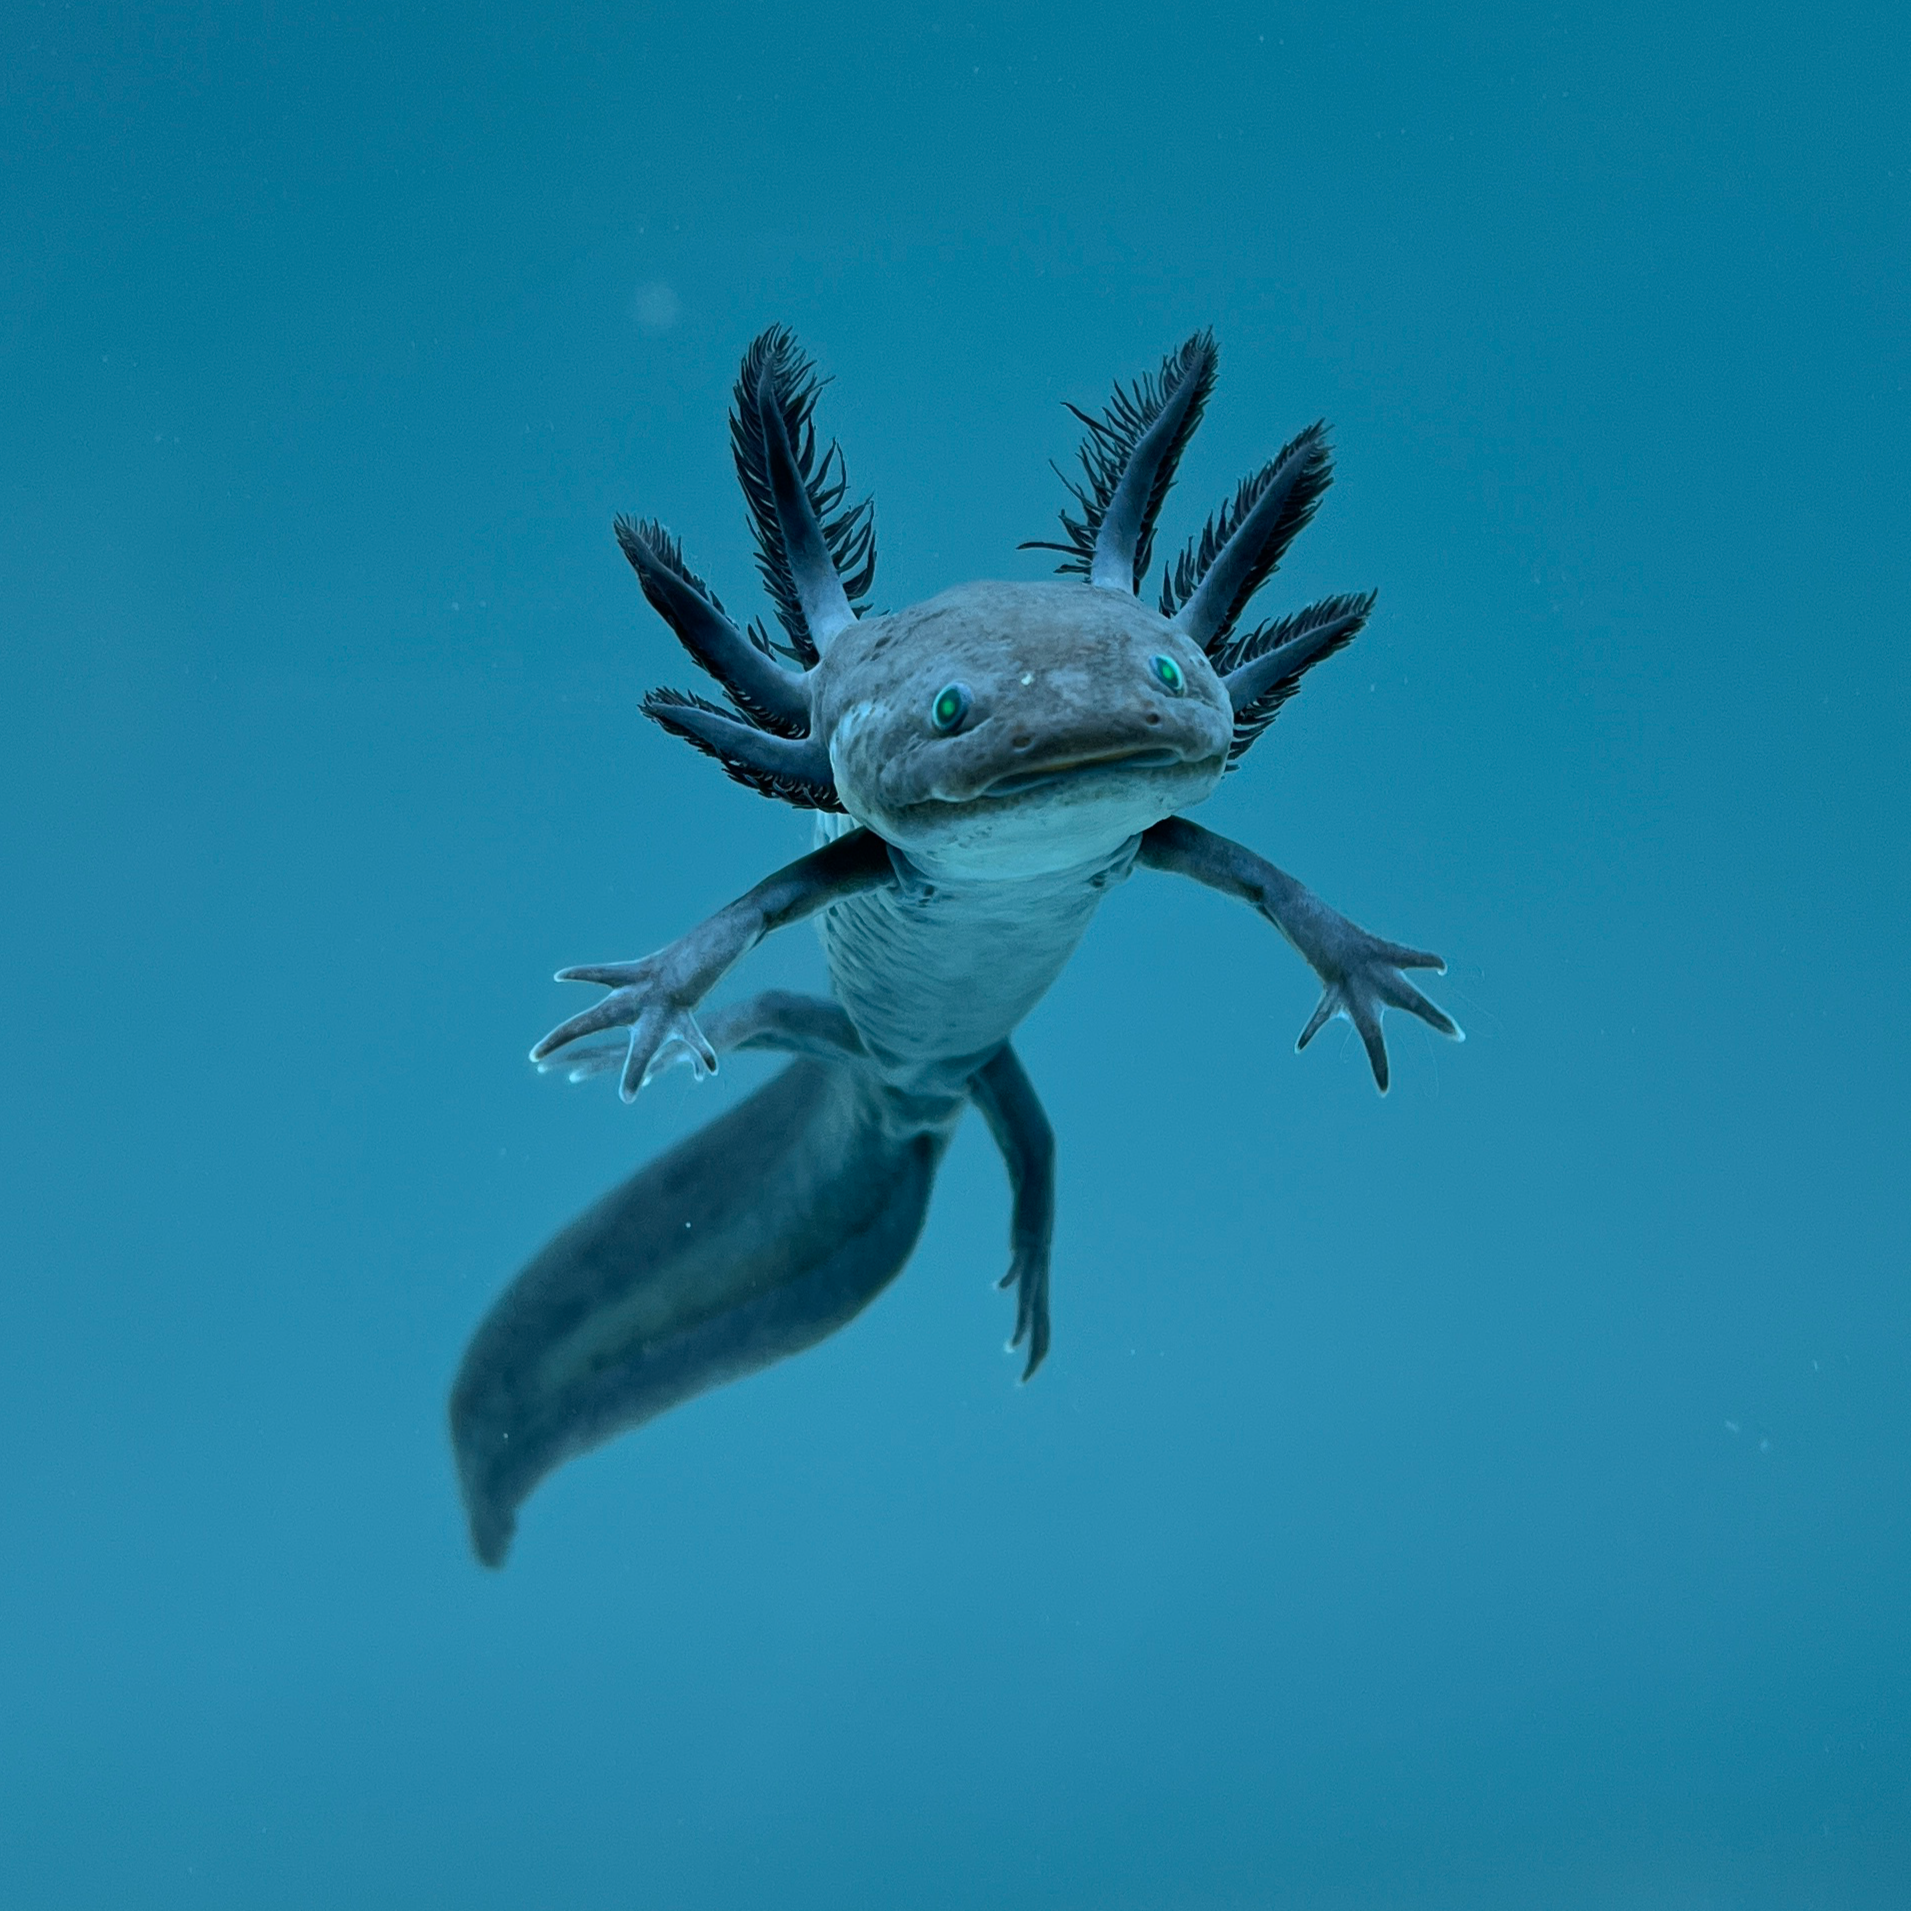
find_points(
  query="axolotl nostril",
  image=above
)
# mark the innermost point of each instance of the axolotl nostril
(984, 767)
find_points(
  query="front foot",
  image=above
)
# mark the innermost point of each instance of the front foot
(654, 1004)
(1360, 977)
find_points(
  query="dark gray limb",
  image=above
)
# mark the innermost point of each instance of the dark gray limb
(777, 1019)
(1360, 974)
(1010, 1106)
(789, 1023)
(655, 998)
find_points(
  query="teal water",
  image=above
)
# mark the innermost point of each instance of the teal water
(1489, 1497)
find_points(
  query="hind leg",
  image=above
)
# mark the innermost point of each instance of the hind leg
(1009, 1104)
(777, 1019)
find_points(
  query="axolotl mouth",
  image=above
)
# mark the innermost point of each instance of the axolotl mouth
(1071, 810)
(1080, 769)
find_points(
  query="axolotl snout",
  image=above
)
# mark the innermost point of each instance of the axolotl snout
(984, 767)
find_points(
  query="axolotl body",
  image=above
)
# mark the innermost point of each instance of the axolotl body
(984, 767)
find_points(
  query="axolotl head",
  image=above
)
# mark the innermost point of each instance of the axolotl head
(1002, 730)
(999, 730)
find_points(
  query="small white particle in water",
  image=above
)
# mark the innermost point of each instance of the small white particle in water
(1028, 676)
(1731, 1426)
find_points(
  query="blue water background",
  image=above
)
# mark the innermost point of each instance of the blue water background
(1492, 1496)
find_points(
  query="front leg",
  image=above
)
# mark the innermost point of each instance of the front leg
(1360, 974)
(1009, 1104)
(656, 998)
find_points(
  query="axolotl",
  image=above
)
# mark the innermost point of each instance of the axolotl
(984, 768)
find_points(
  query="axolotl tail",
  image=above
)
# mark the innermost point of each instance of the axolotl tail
(755, 1238)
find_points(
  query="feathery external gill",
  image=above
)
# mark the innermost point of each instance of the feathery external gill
(1307, 637)
(1209, 585)
(1128, 463)
(770, 696)
(848, 531)
(795, 772)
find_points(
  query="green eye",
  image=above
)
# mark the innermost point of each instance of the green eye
(950, 707)
(1168, 675)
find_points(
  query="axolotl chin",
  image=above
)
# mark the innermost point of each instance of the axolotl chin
(984, 768)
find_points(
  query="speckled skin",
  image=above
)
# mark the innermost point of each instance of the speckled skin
(1061, 679)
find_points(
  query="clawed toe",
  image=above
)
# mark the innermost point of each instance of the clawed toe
(659, 1040)
(1325, 1010)
(614, 1011)
(609, 975)
(1029, 1278)
(1398, 993)
(662, 1029)
(1364, 993)
(585, 1064)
